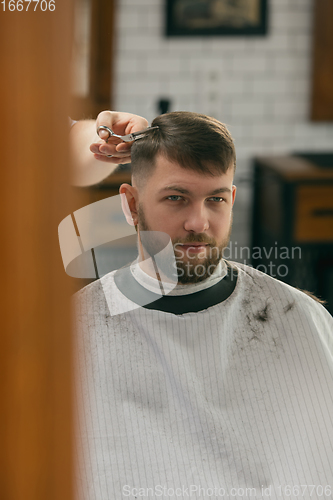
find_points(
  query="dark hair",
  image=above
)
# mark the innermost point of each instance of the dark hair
(194, 141)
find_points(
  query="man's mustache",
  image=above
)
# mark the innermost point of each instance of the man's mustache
(197, 238)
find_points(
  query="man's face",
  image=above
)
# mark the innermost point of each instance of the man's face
(194, 209)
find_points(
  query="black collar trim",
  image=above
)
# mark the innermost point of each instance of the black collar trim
(176, 304)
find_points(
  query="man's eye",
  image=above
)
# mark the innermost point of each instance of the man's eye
(217, 199)
(174, 197)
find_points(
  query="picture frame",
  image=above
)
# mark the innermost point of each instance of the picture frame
(216, 17)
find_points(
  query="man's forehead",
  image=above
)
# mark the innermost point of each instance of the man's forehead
(168, 173)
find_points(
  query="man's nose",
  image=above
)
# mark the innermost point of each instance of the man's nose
(196, 220)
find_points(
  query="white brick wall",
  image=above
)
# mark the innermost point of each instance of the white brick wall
(259, 86)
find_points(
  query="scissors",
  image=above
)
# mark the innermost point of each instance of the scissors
(126, 138)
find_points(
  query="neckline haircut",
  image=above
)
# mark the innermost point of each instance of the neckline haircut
(192, 140)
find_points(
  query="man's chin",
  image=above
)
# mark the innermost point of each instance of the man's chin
(195, 270)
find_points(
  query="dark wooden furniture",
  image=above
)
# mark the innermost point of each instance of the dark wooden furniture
(292, 223)
(322, 65)
(108, 187)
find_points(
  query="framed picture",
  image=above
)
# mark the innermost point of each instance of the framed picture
(216, 17)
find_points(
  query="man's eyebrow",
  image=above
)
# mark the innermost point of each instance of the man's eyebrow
(182, 190)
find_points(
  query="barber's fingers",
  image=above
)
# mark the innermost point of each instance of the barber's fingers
(115, 150)
(110, 149)
(121, 123)
(114, 159)
(106, 119)
(106, 138)
(124, 147)
(103, 134)
(112, 144)
(128, 123)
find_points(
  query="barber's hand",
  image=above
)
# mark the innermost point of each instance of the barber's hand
(121, 124)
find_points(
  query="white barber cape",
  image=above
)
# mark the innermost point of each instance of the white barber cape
(234, 400)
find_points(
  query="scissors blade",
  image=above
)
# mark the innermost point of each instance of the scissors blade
(136, 135)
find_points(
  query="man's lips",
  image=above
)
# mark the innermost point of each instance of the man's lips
(194, 247)
(194, 244)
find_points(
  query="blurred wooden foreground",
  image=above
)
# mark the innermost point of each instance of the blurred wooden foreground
(35, 342)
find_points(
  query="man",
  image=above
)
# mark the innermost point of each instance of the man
(220, 387)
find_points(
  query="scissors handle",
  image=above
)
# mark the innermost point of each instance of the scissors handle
(126, 138)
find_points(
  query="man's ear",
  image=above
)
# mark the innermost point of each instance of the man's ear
(233, 195)
(129, 203)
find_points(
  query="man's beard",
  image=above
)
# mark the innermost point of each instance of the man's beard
(193, 269)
